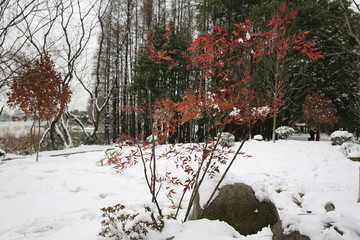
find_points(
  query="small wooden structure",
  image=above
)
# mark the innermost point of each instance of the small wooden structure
(301, 127)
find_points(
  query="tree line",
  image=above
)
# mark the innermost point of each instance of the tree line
(337, 75)
(121, 76)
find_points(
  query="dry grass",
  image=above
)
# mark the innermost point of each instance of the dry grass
(18, 143)
(21, 144)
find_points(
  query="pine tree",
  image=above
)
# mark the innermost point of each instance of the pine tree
(154, 81)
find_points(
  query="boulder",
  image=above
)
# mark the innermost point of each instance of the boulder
(278, 234)
(226, 139)
(258, 137)
(329, 207)
(237, 205)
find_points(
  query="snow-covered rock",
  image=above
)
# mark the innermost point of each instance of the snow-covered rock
(227, 139)
(239, 200)
(350, 149)
(258, 137)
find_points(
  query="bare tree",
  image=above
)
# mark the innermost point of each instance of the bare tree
(99, 99)
(352, 20)
(121, 33)
(62, 28)
(12, 13)
(119, 36)
(76, 41)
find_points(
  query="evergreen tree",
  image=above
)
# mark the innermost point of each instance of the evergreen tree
(225, 12)
(335, 75)
(165, 80)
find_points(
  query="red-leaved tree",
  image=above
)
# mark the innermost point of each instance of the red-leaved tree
(39, 91)
(224, 62)
(319, 108)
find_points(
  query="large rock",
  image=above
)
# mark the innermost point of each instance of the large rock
(226, 139)
(278, 234)
(237, 205)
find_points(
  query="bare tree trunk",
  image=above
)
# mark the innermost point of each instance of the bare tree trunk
(349, 25)
(38, 142)
(32, 136)
(117, 83)
(148, 8)
(64, 127)
(273, 137)
(53, 125)
(78, 121)
(96, 120)
(196, 208)
(277, 91)
(359, 187)
(99, 97)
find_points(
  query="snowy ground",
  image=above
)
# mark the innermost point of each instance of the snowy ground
(60, 196)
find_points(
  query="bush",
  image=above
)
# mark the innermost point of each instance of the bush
(350, 149)
(89, 140)
(339, 137)
(120, 223)
(111, 157)
(17, 144)
(22, 144)
(227, 139)
(284, 132)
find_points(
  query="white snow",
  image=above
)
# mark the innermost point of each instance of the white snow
(284, 131)
(258, 137)
(344, 134)
(60, 196)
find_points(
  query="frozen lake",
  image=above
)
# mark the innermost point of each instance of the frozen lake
(23, 127)
(15, 127)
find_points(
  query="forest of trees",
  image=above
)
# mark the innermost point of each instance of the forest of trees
(118, 73)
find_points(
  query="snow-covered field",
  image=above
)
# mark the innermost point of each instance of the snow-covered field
(60, 197)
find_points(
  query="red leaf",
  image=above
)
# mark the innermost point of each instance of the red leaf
(293, 14)
(282, 9)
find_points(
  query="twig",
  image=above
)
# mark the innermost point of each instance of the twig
(198, 183)
(151, 187)
(226, 171)
(144, 166)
